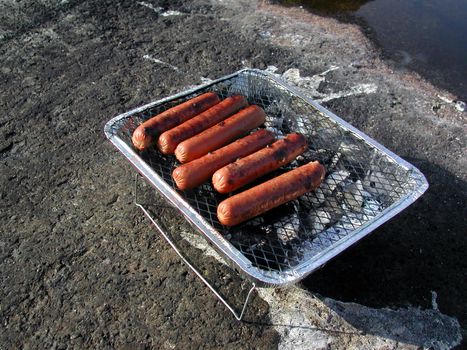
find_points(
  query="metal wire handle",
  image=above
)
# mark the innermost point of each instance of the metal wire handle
(197, 273)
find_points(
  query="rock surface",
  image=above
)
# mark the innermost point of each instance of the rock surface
(80, 265)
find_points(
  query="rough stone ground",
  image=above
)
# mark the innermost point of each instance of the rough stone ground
(81, 267)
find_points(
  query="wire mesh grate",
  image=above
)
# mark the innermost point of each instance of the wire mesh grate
(361, 180)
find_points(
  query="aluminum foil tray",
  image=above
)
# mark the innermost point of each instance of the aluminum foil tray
(366, 184)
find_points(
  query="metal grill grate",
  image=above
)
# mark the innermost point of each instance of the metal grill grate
(363, 180)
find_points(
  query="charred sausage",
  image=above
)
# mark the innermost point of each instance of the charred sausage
(169, 140)
(220, 134)
(194, 173)
(245, 170)
(145, 134)
(270, 194)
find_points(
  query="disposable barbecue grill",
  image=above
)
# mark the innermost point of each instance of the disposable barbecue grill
(365, 185)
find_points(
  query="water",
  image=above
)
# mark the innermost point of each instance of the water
(428, 36)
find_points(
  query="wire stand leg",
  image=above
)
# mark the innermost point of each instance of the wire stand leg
(197, 273)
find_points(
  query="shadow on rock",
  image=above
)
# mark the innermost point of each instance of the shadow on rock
(417, 258)
(305, 321)
(411, 326)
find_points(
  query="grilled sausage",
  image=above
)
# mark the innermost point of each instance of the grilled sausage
(144, 135)
(245, 170)
(169, 140)
(220, 134)
(270, 194)
(194, 173)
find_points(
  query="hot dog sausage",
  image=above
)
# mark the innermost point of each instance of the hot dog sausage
(194, 173)
(220, 134)
(245, 170)
(270, 194)
(169, 140)
(144, 135)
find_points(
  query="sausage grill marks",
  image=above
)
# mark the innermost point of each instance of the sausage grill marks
(245, 170)
(198, 171)
(145, 134)
(170, 139)
(270, 194)
(220, 134)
